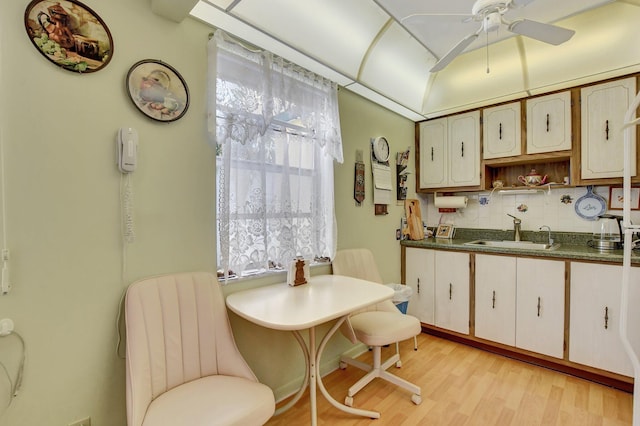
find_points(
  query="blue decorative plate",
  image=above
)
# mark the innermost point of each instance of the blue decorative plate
(590, 205)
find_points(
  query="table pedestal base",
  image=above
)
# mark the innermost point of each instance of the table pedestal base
(314, 380)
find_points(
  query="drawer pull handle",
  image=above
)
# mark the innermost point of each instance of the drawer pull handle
(606, 129)
(547, 123)
(500, 131)
(493, 300)
(418, 285)
(538, 306)
(450, 290)
(431, 154)
(462, 149)
(606, 317)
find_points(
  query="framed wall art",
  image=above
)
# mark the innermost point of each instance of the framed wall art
(158, 90)
(69, 34)
(444, 231)
(616, 198)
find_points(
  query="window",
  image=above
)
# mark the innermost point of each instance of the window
(276, 130)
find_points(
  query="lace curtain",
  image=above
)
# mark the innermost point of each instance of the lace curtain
(276, 130)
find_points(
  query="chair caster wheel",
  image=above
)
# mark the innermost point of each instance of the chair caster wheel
(399, 364)
(348, 401)
(416, 399)
(342, 365)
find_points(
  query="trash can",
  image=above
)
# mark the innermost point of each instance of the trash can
(401, 296)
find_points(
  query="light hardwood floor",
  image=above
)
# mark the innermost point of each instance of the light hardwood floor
(462, 385)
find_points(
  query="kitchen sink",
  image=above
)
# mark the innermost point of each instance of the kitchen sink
(525, 245)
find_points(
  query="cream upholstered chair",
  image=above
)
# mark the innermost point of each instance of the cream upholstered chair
(376, 326)
(183, 366)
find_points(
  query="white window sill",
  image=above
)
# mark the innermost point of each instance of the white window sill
(272, 275)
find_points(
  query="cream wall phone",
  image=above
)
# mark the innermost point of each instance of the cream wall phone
(127, 145)
(127, 149)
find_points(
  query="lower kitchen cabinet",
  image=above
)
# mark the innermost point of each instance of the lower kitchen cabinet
(419, 275)
(520, 302)
(452, 291)
(495, 298)
(540, 306)
(440, 283)
(595, 317)
(528, 308)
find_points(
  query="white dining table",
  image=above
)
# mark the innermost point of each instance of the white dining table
(304, 307)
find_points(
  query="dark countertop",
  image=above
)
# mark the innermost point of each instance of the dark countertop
(573, 246)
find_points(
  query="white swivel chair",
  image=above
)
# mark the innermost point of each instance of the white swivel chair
(376, 326)
(183, 366)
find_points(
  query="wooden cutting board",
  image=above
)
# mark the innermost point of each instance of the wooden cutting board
(415, 231)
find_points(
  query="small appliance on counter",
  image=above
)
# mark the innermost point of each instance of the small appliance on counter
(607, 233)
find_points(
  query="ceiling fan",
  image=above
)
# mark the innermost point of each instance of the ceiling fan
(490, 14)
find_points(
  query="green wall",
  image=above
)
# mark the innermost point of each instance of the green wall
(362, 120)
(69, 267)
(68, 264)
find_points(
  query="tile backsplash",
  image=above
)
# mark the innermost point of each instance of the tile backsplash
(488, 210)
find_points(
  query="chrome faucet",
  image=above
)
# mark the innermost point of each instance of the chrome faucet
(548, 229)
(516, 227)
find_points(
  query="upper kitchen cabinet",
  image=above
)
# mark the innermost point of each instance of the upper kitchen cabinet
(549, 123)
(432, 147)
(449, 152)
(501, 131)
(603, 107)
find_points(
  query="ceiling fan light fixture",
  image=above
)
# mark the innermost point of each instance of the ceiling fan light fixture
(492, 22)
(484, 7)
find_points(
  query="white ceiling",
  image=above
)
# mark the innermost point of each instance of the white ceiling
(367, 46)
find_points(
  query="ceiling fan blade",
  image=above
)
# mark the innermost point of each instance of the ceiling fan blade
(455, 51)
(521, 3)
(544, 32)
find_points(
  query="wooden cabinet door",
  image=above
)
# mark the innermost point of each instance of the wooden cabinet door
(464, 149)
(419, 275)
(549, 123)
(495, 298)
(595, 318)
(540, 306)
(501, 129)
(433, 153)
(603, 108)
(452, 291)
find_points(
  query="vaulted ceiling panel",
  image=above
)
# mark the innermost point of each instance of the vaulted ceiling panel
(337, 32)
(607, 46)
(466, 83)
(398, 67)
